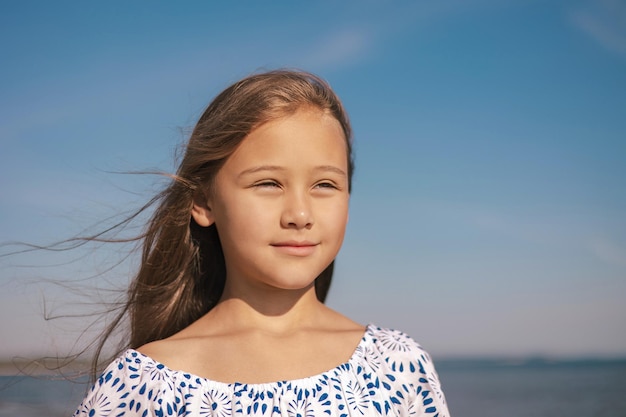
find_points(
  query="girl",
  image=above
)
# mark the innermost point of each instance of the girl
(226, 312)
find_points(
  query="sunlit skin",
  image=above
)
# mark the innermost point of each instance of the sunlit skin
(280, 205)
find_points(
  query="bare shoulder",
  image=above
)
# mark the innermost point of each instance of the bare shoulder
(176, 351)
(344, 330)
(156, 349)
(166, 351)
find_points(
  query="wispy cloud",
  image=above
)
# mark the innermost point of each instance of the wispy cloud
(605, 22)
(340, 49)
(608, 251)
(548, 229)
(550, 232)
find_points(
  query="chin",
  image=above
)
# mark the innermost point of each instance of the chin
(293, 285)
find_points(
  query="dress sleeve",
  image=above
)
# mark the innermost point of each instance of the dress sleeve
(121, 390)
(409, 375)
(429, 392)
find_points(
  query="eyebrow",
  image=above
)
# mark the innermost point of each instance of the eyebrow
(260, 168)
(331, 168)
(326, 168)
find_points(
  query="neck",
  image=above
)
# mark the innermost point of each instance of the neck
(273, 310)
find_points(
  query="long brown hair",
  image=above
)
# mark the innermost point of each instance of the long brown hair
(182, 272)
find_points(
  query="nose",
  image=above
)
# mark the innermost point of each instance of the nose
(297, 212)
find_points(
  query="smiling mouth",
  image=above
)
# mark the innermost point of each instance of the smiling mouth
(295, 248)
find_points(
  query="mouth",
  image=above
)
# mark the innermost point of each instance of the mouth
(295, 248)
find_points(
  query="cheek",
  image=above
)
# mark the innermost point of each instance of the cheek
(339, 218)
(244, 222)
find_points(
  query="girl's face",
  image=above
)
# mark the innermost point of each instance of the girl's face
(280, 202)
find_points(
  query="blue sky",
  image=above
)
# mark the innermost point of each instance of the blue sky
(489, 208)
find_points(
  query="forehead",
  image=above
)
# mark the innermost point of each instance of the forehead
(309, 136)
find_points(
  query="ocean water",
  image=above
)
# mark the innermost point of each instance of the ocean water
(24, 396)
(535, 388)
(473, 389)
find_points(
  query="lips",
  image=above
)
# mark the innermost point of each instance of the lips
(295, 248)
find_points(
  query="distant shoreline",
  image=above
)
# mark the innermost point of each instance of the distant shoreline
(47, 367)
(51, 367)
(526, 362)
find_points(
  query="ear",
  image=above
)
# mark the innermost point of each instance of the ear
(201, 212)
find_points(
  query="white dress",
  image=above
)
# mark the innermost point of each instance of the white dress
(388, 374)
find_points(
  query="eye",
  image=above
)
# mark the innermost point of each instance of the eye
(267, 184)
(326, 185)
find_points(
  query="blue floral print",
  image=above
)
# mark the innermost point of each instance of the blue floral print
(389, 374)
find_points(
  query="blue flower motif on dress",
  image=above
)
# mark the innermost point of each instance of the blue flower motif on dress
(300, 408)
(158, 373)
(395, 341)
(371, 357)
(97, 405)
(215, 404)
(406, 349)
(357, 397)
(403, 401)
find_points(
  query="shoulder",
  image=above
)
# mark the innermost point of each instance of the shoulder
(399, 350)
(400, 361)
(162, 351)
(180, 351)
(395, 342)
(130, 383)
(131, 368)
